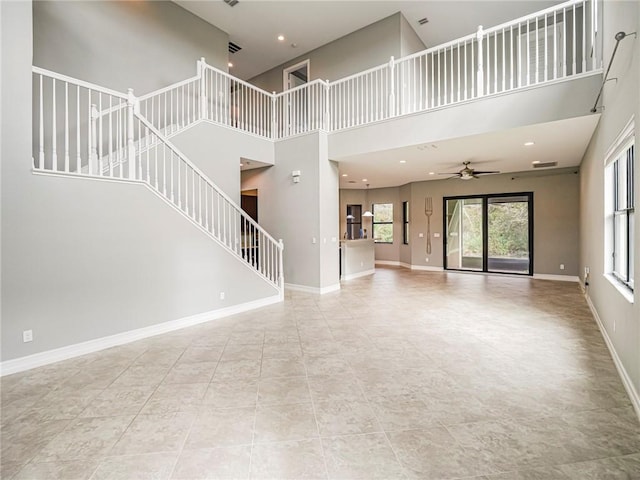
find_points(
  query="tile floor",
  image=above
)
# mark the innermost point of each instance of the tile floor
(400, 375)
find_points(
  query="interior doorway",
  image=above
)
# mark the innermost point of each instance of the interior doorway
(489, 233)
(295, 75)
(249, 203)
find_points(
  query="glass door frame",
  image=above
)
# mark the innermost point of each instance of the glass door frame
(485, 230)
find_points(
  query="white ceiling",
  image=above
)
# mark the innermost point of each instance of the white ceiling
(564, 141)
(255, 24)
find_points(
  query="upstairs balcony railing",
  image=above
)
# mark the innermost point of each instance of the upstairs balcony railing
(551, 45)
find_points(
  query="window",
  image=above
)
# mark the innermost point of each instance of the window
(354, 222)
(620, 209)
(383, 222)
(405, 223)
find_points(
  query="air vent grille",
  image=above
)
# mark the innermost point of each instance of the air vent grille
(234, 47)
(423, 21)
(545, 165)
(231, 3)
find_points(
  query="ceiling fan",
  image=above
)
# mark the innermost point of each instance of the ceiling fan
(468, 173)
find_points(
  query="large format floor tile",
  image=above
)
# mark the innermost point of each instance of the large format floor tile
(398, 375)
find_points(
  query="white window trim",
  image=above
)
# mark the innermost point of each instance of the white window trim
(622, 142)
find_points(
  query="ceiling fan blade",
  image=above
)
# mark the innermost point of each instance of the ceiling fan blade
(449, 173)
(487, 172)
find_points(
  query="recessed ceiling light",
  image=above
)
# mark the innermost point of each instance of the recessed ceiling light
(535, 162)
(364, 179)
(403, 161)
(432, 173)
(529, 144)
(345, 175)
(281, 38)
(230, 65)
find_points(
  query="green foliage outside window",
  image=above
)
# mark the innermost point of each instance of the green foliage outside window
(508, 230)
(383, 222)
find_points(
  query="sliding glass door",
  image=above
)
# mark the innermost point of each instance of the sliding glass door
(489, 233)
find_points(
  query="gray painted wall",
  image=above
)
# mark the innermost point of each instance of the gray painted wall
(218, 152)
(621, 100)
(300, 212)
(556, 207)
(368, 47)
(409, 40)
(144, 45)
(83, 259)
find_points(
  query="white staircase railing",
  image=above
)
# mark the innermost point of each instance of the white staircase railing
(173, 108)
(85, 130)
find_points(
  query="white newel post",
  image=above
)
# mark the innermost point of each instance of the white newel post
(131, 148)
(392, 87)
(480, 73)
(327, 106)
(273, 116)
(203, 92)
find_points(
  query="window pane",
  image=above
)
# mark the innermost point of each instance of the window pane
(405, 221)
(383, 232)
(631, 248)
(383, 212)
(620, 246)
(621, 184)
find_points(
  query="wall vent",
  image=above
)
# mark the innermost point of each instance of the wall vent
(234, 47)
(545, 165)
(231, 3)
(423, 21)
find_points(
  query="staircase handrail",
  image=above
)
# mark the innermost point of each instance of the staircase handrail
(81, 83)
(168, 88)
(204, 177)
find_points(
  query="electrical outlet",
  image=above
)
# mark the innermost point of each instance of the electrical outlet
(27, 336)
(221, 295)
(426, 259)
(562, 266)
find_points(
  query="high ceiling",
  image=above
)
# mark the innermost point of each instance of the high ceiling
(256, 24)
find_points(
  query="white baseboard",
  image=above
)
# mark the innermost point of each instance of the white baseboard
(409, 266)
(316, 290)
(390, 263)
(359, 274)
(64, 353)
(624, 376)
(426, 268)
(559, 278)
